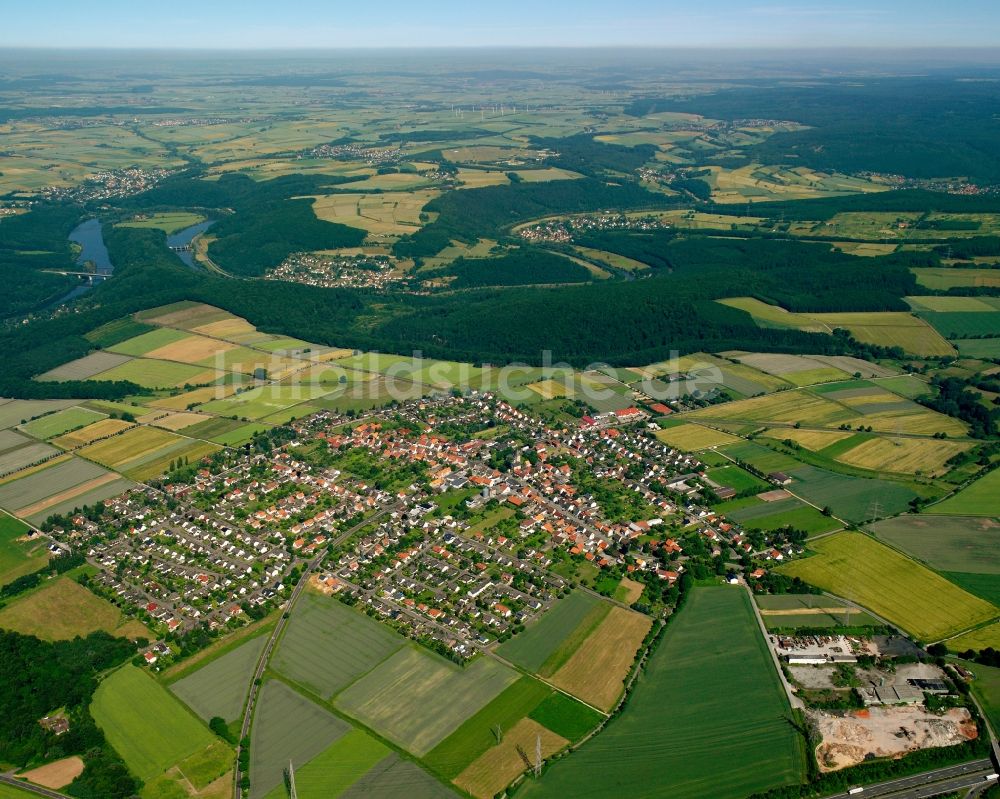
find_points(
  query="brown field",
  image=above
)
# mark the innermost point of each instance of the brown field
(64, 609)
(694, 437)
(178, 421)
(65, 496)
(890, 329)
(549, 389)
(92, 432)
(903, 455)
(496, 768)
(55, 775)
(810, 439)
(174, 316)
(193, 349)
(198, 396)
(632, 590)
(231, 329)
(596, 672)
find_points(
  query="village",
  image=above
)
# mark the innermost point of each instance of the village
(343, 271)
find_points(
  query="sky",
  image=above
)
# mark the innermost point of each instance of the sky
(254, 24)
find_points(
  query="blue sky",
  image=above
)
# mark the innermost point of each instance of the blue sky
(423, 23)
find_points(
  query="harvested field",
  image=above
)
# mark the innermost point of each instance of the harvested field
(64, 609)
(400, 699)
(947, 543)
(629, 591)
(494, 770)
(909, 595)
(92, 432)
(198, 396)
(287, 727)
(220, 687)
(596, 671)
(694, 437)
(904, 455)
(86, 367)
(193, 349)
(329, 645)
(175, 422)
(813, 440)
(850, 738)
(57, 774)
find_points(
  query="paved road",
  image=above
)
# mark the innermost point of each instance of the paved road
(265, 656)
(24, 786)
(930, 783)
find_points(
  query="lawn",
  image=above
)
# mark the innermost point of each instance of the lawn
(981, 498)
(729, 737)
(542, 638)
(220, 687)
(337, 768)
(63, 609)
(402, 698)
(477, 734)
(287, 727)
(923, 603)
(946, 543)
(18, 557)
(61, 422)
(328, 645)
(147, 726)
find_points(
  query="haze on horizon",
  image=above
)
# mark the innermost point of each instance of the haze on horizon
(231, 24)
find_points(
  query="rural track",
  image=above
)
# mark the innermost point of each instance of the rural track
(27, 786)
(265, 657)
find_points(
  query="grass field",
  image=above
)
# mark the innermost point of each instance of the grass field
(147, 726)
(540, 641)
(890, 329)
(328, 645)
(63, 609)
(813, 440)
(220, 688)
(850, 498)
(169, 222)
(14, 412)
(61, 422)
(160, 374)
(596, 671)
(208, 772)
(785, 513)
(694, 437)
(986, 687)
(982, 638)
(18, 557)
(147, 342)
(132, 447)
(733, 713)
(402, 698)
(256, 403)
(896, 588)
(287, 727)
(947, 543)
(981, 498)
(736, 478)
(337, 768)
(944, 278)
(477, 734)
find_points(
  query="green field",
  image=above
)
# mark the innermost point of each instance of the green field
(287, 726)
(147, 726)
(789, 611)
(151, 373)
(476, 734)
(14, 412)
(256, 403)
(336, 769)
(737, 478)
(946, 543)
(986, 586)
(61, 422)
(850, 498)
(393, 777)
(168, 222)
(986, 687)
(220, 688)
(760, 457)
(147, 342)
(707, 720)
(328, 645)
(531, 649)
(10, 792)
(923, 603)
(565, 716)
(417, 699)
(791, 513)
(16, 557)
(981, 638)
(981, 498)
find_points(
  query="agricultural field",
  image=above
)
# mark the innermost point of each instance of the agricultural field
(20, 412)
(786, 611)
(890, 329)
(18, 452)
(220, 687)
(800, 370)
(133, 447)
(944, 278)
(812, 440)
(86, 367)
(206, 774)
(58, 482)
(850, 498)
(790, 512)
(169, 222)
(986, 687)
(329, 645)
(148, 342)
(153, 374)
(62, 609)
(981, 638)
(533, 648)
(92, 432)
(596, 671)
(857, 567)
(733, 712)
(766, 315)
(382, 215)
(62, 422)
(337, 768)
(56, 774)
(287, 727)
(947, 543)
(19, 554)
(736, 478)
(490, 773)
(904, 455)
(256, 403)
(383, 781)
(148, 727)
(693, 437)
(981, 498)
(400, 698)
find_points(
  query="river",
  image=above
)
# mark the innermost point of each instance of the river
(183, 239)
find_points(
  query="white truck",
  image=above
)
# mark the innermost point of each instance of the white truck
(855, 791)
